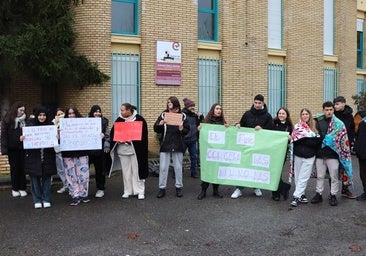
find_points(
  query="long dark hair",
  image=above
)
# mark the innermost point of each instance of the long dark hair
(77, 113)
(176, 105)
(211, 113)
(288, 118)
(13, 113)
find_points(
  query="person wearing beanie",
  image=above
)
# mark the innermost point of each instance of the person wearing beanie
(191, 139)
(100, 158)
(40, 163)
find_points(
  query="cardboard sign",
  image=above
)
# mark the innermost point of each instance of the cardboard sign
(44, 136)
(80, 134)
(127, 131)
(173, 118)
(242, 156)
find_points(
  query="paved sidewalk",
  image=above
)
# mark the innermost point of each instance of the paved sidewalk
(181, 226)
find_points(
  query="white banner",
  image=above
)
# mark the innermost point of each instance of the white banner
(80, 134)
(44, 136)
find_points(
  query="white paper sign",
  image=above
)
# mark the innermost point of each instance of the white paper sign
(80, 134)
(44, 136)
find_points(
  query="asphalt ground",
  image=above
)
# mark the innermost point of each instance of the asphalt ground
(182, 226)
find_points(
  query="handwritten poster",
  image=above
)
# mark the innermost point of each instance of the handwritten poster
(80, 134)
(173, 118)
(127, 131)
(242, 156)
(44, 136)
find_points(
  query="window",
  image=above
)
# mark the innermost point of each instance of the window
(361, 86)
(276, 87)
(360, 43)
(207, 20)
(330, 89)
(275, 24)
(328, 29)
(125, 17)
(125, 81)
(209, 83)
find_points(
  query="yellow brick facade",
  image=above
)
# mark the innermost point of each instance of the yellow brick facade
(242, 48)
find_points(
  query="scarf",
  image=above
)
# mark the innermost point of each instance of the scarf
(337, 139)
(20, 120)
(301, 130)
(131, 118)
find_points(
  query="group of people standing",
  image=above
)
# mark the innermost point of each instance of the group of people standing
(325, 143)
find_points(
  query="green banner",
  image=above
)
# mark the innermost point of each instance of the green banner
(242, 156)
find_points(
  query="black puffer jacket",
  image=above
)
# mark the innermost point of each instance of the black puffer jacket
(171, 138)
(254, 117)
(10, 138)
(39, 162)
(360, 145)
(193, 121)
(346, 116)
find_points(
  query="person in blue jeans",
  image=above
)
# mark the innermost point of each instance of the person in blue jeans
(40, 163)
(190, 140)
(256, 117)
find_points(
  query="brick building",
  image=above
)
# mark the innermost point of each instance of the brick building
(296, 53)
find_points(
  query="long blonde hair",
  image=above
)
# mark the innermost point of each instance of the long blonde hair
(311, 122)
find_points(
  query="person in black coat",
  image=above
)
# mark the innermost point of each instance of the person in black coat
(214, 116)
(171, 146)
(131, 156)
(191, 139)
(256, 117)
(40, 163)
(100, 158)
(282, 122)
(11, 130)
(360, 148)
(344, 113)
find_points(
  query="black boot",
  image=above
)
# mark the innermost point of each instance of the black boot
(276, 195)
(202, 194)
(216, 192)
(179, 192)
(161, 193)
(285, 190)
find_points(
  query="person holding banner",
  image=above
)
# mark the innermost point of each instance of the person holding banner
(214, 116)
(40, 163)
(76, 164)
(59, 161)
(305, 141)
(11, 130)
(256, 117)
(130, 150)
(100, 158)
(172, 126)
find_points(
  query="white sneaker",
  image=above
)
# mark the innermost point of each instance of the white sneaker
(141, 197)
(37, 205)
(125, 196)
(46, 205)
(100, 193)
(23, 193)
(257, 192)
(237, 193)
(61, 190)
(15, 193)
